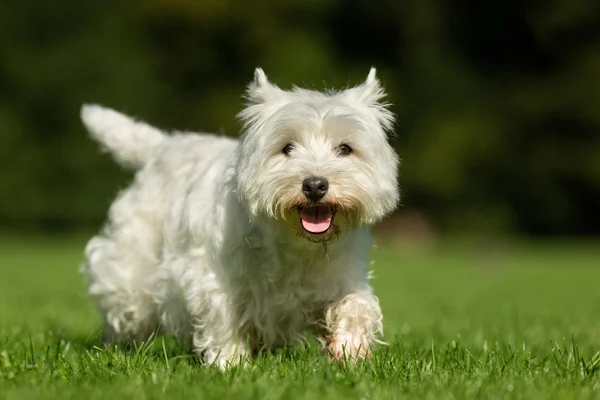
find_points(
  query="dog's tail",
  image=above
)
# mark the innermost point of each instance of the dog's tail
(130, 142)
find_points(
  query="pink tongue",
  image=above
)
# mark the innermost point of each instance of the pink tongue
(316, 219)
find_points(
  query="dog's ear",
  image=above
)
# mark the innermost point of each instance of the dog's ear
(260, 79)
(370, 93)
(261, 90)
(372, 77)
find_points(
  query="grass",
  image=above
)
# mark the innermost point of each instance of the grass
(462, 321)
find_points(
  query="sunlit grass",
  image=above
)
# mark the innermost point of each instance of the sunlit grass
(462, 321)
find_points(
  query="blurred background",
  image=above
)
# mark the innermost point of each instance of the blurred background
(498, 103)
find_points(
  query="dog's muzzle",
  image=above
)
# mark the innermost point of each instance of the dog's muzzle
(315, 188)
(316, 218)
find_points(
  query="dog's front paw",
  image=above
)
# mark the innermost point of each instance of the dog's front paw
(230, 356)
(225, 364)
(346, 347)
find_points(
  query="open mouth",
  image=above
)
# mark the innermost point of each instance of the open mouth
(316, 219)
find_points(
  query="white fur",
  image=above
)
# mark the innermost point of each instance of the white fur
(206, 242)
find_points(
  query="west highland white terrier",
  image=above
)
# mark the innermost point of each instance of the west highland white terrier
(234, 246)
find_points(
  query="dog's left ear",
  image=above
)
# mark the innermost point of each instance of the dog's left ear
(370, 93)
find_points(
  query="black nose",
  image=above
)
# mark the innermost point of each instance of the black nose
(315, 188)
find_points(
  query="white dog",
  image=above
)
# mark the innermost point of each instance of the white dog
(238, 245)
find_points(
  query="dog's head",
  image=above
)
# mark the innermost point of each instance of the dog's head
(320, 161)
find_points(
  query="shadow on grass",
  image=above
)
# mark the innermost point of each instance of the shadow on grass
(56, 340)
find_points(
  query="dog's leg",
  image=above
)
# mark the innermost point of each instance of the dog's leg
(216, 333)
(228, 355)
(120, 267)
(353, 324)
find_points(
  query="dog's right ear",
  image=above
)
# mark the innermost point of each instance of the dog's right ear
(261, 90)
(260, 79)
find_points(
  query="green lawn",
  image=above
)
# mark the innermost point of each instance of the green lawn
(519, 321)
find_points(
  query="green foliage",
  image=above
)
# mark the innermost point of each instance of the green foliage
(461, 321)
(498, 104)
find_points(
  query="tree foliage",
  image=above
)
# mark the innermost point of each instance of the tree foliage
(497, 103)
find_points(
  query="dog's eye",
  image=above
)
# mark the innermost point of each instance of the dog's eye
(344, 150)
(287, 149)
